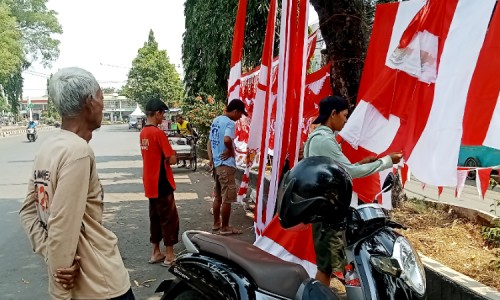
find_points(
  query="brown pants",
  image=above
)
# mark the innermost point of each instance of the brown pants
(225, 184)
(164, 220)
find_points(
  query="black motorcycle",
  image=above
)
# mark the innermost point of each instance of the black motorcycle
(382, 264)
(31, 134)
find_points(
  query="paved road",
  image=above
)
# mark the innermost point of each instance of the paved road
(120, 167)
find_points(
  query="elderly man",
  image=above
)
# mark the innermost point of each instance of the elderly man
(63, 210)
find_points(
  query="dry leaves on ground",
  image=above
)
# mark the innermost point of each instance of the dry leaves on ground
(453, 241)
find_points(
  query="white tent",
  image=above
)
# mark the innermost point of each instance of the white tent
(137, 112)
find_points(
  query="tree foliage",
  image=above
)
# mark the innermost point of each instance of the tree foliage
(27, 29)
(38, 25)
(13, 87)
(207, 42)
(200, 110)
(51, 108)
(11, 50)
(153, 76)
(109, 90)
(346, 26)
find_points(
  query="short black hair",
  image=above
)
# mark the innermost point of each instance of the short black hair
(155, 105)
(236, 104)
(329, 104)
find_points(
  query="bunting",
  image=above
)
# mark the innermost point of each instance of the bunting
(461, 177)
(483, 181)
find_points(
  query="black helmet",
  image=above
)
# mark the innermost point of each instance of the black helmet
(317, 189)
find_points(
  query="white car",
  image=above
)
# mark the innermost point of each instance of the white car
(132, 122)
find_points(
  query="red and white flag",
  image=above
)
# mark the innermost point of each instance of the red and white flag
(461, 177)
(237, 52)
(258, 142)
(483, 181)
(295, 245)
(417, 81)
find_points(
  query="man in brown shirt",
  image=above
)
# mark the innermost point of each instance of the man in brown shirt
(62, 212)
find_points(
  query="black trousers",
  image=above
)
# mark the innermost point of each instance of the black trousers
(129, 295)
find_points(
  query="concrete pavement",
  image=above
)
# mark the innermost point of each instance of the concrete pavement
(119, 163)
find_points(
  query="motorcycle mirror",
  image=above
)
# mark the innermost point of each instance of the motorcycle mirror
(387, 186)
(389, 182)
(354, 220)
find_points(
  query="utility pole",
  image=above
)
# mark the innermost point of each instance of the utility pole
(30, 110)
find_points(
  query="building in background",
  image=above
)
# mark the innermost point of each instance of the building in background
(116, 107)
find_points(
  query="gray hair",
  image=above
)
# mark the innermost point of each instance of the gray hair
(69, 87)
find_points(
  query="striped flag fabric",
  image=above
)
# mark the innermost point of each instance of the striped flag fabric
(419, 74)
(237, 51)
(419, 79)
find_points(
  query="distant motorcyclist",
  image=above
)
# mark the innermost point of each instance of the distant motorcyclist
(31, 124)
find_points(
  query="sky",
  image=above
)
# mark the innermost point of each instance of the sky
(103, 37)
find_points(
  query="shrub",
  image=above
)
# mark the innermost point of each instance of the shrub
(200, 110)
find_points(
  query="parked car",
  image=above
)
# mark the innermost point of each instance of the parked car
(478, 156)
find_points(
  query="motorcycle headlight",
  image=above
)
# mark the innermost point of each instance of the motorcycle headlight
(412, 269)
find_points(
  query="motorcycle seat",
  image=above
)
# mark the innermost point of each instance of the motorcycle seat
(269, 272)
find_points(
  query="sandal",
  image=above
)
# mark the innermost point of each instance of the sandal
(167, 264)
(155, 261)
(231, 231)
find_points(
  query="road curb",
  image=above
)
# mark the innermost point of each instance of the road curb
(19, 131)
(448, 284)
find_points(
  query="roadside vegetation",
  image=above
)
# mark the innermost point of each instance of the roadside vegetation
(467, 247)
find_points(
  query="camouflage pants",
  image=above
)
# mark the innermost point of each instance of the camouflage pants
(329, 248)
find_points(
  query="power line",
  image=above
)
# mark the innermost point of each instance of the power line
(114, 66)
(37, 74)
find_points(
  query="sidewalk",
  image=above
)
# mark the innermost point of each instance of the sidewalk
(6, 131)
(469, 199)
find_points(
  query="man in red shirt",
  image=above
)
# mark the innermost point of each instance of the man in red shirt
(159, 185)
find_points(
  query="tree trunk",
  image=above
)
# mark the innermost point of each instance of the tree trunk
(345, 30)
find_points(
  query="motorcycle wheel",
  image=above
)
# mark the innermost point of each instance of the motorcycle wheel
(194, 164)
(188, 294)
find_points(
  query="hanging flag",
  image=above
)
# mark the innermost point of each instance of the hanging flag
(440, 191)
(411, 81)
(237, 51)
(482, 112)
(461, 177)
(483, 180)
(405, 174)
(287, 131)
(291, 89)
(258, 143)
